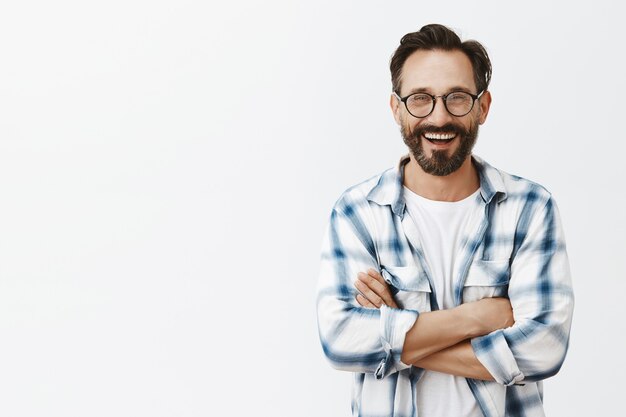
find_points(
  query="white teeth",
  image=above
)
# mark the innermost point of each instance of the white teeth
(439, 136)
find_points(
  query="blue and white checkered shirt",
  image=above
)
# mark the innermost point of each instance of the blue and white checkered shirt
(515, 248)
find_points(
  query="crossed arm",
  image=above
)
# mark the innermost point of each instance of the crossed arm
(476, 340)
(439, 340)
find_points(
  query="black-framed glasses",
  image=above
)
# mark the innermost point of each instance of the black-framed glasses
(457, 103)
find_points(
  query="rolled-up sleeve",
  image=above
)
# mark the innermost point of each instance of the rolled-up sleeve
(541, 294)
(356, 338)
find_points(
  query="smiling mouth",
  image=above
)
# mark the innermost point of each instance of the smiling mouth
(439, 138)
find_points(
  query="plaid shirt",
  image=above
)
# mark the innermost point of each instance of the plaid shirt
(514, 248)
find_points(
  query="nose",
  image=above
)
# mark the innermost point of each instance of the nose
(439, 116)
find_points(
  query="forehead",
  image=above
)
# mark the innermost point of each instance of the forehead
(437, 72)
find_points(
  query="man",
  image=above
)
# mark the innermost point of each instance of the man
(444, 284)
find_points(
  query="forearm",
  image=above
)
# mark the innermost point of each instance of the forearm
(457, 360)
(432, 332)
(437, 330)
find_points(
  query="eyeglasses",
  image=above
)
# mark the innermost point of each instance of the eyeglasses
(457, 103)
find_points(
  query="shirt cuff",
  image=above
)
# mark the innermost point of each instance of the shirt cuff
(494, 353)
(394, 323)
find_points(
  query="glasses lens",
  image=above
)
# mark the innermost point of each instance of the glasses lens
(459, 103)
(419, 105)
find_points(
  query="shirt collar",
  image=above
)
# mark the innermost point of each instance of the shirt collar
(389, 191)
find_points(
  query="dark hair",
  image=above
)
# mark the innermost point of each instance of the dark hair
(433, 37)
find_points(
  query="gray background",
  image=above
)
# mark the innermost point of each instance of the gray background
(167, 169)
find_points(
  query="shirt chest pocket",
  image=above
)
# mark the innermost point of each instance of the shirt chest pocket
(486, 279)
(409, 286)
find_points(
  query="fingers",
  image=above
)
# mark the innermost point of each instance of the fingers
(373, 287)
(376, 275)
(379, 286)
(493, 313)
(364, 301)
(367, 293)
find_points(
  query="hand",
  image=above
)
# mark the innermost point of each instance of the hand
(490, 314)
(373, 290)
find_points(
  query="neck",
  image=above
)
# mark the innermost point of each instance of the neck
(454, 187)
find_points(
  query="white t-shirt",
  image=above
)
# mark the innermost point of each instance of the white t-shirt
(441, 224)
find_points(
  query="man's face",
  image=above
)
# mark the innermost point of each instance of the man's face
(440, 142)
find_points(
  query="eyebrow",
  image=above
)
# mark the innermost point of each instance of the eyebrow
(428, 90)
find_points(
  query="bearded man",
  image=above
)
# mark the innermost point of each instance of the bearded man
(444, 285)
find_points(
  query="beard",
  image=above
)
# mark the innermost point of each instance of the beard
(439, 163)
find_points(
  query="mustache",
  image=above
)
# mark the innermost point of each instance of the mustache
(447, 128)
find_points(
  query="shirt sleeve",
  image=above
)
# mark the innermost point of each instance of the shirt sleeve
(356, 338)
(541, 294)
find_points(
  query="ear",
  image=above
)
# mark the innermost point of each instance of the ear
(485, 103)
(394, 103)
